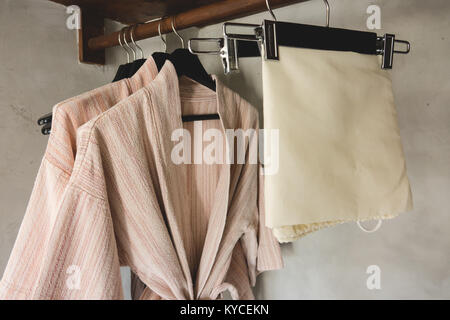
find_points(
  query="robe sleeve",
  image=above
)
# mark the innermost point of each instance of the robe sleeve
(82, 258)
(66, 247)
(78, 261)
(21, 272)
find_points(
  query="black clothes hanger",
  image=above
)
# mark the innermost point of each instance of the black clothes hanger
(135, 66)
(128, 70)
(46, 122)
(45, 130)
(137, 63)
(184, 62)
(160, 58)
(122, 72)
(46, 118)
(124, 69)
(200, 117)
(189, 65)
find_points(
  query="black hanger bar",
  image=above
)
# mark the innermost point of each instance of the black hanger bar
(248, 49)
(200, 117)
(275, 33)
(317, 37)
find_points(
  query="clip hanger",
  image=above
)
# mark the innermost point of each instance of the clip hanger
(228, 58)
(230, 48)
(227, 52)
(338, 39)
(386, 47)
(271, 34)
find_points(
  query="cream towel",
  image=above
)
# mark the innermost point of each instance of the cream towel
(340, 154)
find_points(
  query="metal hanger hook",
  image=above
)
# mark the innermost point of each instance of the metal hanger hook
(175, 31)
(328, 12)
(160, 35)
(378, 225)
(270, 10)
(120, 42)
(126, 42)
(134, 43)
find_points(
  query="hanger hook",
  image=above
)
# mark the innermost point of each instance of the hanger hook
(328, 12)
(126, 42)
(120, 42)
(175, 31)
(270, 10)
(160, 35)
(132, 40)
(133, 43)
(378, 225)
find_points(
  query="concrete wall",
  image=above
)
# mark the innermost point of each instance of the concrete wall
(39, 68)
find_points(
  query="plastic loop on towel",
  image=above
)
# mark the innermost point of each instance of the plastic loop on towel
(367, 230)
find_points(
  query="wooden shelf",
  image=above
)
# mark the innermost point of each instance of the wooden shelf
(183, 13)
(134, 11)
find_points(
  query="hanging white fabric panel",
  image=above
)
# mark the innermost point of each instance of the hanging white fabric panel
(340, 154)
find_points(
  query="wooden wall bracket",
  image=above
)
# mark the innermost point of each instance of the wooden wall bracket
(92, 25)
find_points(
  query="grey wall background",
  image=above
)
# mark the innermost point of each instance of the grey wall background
(39, 68)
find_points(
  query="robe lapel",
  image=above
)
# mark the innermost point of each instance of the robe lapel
(218, 216)
(168, 113)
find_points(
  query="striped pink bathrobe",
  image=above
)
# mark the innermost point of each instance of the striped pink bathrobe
(126, 203)
(21, 273)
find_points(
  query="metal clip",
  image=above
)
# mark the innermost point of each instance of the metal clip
(265, 34)
(213, 52)
(386, 47)
(228, 46)
(268, 33)
(237, 36)
(230, 58)
(229, 55)
(227, 52)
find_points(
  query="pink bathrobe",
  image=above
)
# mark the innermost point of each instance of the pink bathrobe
(127, 203)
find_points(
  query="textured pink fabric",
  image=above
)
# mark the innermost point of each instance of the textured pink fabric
(126, 203)
(21, 273)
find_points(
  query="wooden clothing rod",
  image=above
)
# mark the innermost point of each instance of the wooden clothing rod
(210, 14)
